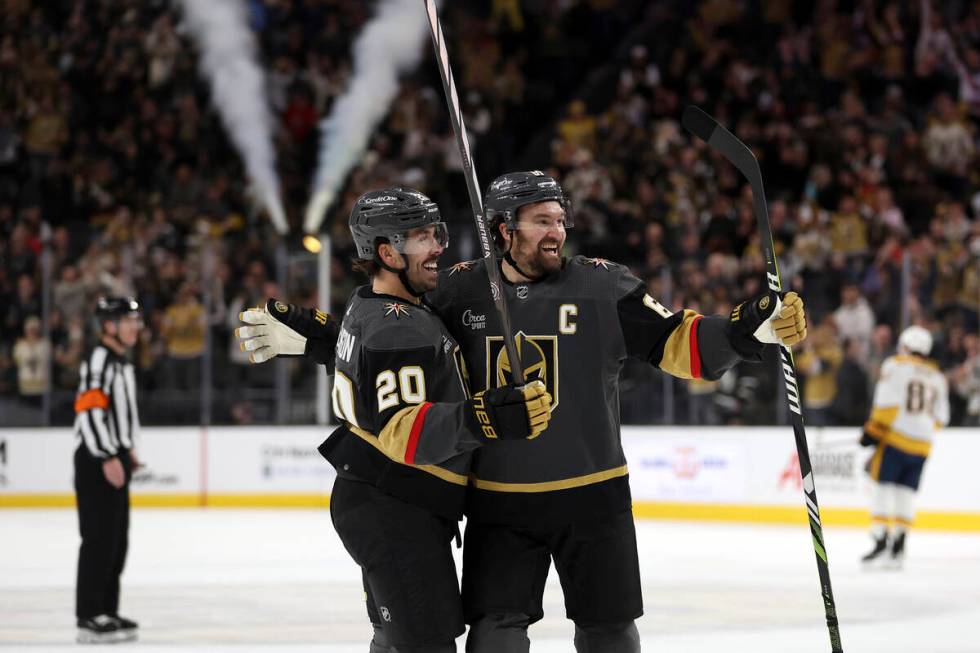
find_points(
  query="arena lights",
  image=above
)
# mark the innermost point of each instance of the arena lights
(312, 243)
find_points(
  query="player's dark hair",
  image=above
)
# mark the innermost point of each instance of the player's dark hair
(369, 267)
(365, 266)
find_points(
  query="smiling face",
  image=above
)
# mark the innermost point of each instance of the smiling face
(540, 235)
(421, 254)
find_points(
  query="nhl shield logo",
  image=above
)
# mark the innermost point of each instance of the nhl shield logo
(384, 613)
(539, 354)
(522, 292)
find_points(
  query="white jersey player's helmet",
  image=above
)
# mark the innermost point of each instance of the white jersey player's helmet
(916, 339)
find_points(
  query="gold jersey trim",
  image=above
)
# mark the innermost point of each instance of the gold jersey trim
(550, 486)
(435, 470)
(676, 359)
(879, 427)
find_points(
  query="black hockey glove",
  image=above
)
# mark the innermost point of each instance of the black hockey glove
(281, 329)
(512, 413)
(868, 440)
(756, 323)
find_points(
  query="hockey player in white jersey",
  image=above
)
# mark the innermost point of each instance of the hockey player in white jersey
(911, 403)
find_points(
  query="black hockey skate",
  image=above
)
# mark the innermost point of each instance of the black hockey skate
(126, 624)
(877, 554)
(103, 629)
(896, 557)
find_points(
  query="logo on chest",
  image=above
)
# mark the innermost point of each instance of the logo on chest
(539, 355)
(475, 321)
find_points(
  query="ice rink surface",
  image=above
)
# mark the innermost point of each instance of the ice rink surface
(279, 580)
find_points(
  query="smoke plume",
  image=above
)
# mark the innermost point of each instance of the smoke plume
(389, 45)
(229, 60)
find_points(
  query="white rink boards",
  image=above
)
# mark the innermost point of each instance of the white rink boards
(279, 580)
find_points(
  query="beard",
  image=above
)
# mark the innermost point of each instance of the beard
(534, 260)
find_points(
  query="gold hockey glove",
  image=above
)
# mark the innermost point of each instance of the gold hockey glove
(767, 320)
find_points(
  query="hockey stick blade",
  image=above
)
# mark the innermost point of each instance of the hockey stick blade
(698, 123)
(739, 155)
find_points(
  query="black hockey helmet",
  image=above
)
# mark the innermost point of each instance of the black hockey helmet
(507, 193)
(391, 213)
(113, 308)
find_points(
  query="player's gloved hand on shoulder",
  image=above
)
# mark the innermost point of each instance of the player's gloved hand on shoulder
(280, 329)
(767, 320)
(511, 412)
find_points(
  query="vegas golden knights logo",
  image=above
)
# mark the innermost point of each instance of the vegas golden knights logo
(539, 355)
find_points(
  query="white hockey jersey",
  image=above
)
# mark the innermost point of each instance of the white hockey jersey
(911, 404)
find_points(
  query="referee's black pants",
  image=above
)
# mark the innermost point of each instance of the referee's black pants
(103, 519)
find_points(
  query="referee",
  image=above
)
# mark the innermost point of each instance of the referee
(106, 424)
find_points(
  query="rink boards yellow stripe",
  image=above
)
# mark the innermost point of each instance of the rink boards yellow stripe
(927, 519)
(946, 521)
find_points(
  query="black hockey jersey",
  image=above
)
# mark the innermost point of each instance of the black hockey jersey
(574, 329)
(399, 391)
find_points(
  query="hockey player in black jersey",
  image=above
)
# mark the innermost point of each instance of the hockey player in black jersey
(566, 497)
(409, 425)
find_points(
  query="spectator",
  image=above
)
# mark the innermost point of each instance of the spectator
(854, 320)
(853, 399)
(817, 364)
(183, 330)
(965, 380)
(578, 128)
(949, 147)
(32, 355)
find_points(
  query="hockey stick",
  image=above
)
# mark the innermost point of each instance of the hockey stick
(739, 155)
(473, 187)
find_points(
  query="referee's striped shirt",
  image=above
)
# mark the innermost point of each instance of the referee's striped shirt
(106, 420)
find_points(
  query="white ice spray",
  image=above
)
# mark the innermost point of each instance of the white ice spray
(389, 45)
(229, 60)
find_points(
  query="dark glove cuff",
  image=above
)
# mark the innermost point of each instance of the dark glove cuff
(478, 418)
(500, 413)
(319, 329)
(321, 351)
(307, 322)
(745, 319)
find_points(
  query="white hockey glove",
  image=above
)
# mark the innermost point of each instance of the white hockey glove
(280, 329)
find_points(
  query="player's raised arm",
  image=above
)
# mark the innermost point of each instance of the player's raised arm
(689, 345)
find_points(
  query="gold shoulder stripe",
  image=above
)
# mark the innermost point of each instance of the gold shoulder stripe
(549, 486)
(435, 470)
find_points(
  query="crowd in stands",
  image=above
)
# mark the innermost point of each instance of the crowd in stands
(116, 177)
